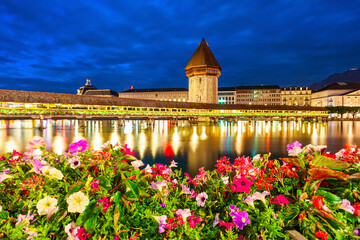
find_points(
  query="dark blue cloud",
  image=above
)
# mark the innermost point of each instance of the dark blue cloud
(54, 46)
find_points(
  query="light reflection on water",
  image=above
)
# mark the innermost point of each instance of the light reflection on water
(192, 146)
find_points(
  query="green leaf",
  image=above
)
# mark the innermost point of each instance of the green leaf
(105, 183)
(116, 216)
(294, 161)
(75, 189)
(90, 224)
(89, 211)
(334, 164)
(325, 173)
(4, 214)
(132, 193)
(124, 166)
(329, 197)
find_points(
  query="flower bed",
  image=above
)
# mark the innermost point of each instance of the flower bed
(86, 194)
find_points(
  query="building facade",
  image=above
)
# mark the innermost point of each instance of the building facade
(160, 94)
(296, 96)
(337, 94)
(258, 95)
(203, 71)
(227, 95)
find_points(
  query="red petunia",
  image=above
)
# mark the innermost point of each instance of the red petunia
(357, 208)
(322, 235)
(318, 202)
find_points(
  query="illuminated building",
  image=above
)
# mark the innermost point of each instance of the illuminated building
(296, 96)
(337, 94)
(227, 95)
(258, 95)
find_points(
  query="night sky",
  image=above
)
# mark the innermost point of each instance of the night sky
(54, 46)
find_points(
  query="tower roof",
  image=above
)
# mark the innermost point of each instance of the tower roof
(203, 57)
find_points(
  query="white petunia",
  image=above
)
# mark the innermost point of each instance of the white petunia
(77, 202)
(46, 205)
(56, 173)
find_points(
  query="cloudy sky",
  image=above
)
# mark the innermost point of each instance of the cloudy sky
(55, 45)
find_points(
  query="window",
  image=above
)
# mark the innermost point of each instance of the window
(199, 80)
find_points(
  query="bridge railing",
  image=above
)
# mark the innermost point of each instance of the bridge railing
(154, 112)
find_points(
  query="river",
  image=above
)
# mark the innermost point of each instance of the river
(192, 146)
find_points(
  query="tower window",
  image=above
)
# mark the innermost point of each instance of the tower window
(199, 80)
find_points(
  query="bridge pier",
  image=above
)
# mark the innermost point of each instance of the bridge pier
(41, 126)
(120, 122)
(82, 122)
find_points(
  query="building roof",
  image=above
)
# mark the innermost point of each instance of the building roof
(341, 86)
(220, 89)
(102, 92)
(156, 90)
(62, 98)
(258, 87)
(203, 57)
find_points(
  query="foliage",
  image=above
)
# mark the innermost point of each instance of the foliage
(87, 194)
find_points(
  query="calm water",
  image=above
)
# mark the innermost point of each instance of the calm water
(192, 146)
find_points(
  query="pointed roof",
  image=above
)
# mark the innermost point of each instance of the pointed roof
(203, 57)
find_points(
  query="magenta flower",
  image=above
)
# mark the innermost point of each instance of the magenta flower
(162, 205)
(281, 200)
(356, 232)
(346, 205)
(81, 235)
(241, 219)
(95, 184)
(201, 199)
(37, 165)
(79, 146)
(294, 148)
(193, 194)
(25, 218)
(233, 209)
(106, 203)
(127, 151)
(241, 185)
(292, 145)
(228, 225)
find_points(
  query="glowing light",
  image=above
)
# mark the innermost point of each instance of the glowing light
(128, 127)
(203, 134)
(194, 140)
(142, 144)
(154, 144)
(175, 141)
(59, 144)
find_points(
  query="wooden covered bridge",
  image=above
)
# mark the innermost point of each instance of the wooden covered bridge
(45, 105)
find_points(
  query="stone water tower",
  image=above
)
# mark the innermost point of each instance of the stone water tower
(203, 71)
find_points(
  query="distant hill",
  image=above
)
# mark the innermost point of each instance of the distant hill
(351, 75)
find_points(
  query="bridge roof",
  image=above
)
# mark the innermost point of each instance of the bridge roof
(62, 98)
(156, 90)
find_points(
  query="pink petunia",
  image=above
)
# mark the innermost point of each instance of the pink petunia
(281, 200)
(241, 185)
(78, 146)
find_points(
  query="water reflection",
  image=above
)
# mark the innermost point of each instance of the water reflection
(191, 146)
